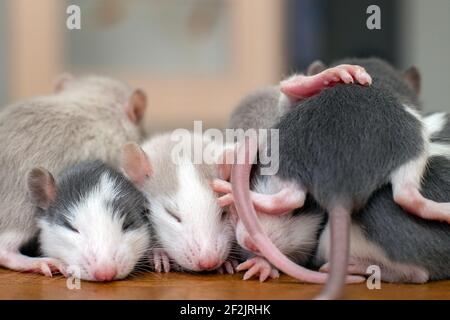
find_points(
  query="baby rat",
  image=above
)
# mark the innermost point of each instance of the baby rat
(340, 146)
(86, 118)
(405, 247)
(295, 233)
(189, 225)
(92, 219)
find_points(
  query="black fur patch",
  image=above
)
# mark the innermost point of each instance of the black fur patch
(77, 182)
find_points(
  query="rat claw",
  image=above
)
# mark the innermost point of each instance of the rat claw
(363, 77)
(264, 274)
(258, 265)
(161, 261)
(229, 267)
(251, 272)
(246, 265)
(220, 270)
(274, 274)
(345, 76)
(45, 269)
(157, 263)
(166, 263)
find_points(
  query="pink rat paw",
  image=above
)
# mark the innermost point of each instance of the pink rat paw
(258, 266)
(229, 267)
(223, 187)
(46, 267)
(160, 260)
(301, 86)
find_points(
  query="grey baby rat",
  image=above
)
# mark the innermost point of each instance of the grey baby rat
(341, 146)
(405, 248)
(295, 233)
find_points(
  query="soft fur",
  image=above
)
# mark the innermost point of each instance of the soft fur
(85, 120)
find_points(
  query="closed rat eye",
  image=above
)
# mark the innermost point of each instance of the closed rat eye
(70, 227)
(174, 215)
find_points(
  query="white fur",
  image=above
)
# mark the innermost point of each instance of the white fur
(439, 149)
(410, 174)
(202, 233)
(435, 122)
(100, 241)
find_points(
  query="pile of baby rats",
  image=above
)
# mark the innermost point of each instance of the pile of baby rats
(363, 180)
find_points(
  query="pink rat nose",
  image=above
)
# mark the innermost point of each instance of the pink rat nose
(209, 263)
(250, 245)
(105, 274)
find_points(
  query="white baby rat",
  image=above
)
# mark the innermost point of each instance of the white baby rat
(86, 118)
(189, 226)
(92, 219)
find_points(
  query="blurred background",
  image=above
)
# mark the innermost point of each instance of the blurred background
(197, 58)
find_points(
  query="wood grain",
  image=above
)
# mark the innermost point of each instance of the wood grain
(206, 286)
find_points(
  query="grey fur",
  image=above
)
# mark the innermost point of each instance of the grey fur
(258, 110)
(344, 143)
(406, 238)
(85, 121)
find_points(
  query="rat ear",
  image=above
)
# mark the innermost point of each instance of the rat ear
(315, 68)
(412, 76)
(136, 164)
(42, 187)
(61, 82)
(135, 108)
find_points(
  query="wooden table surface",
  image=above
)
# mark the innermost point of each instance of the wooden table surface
(190, 286)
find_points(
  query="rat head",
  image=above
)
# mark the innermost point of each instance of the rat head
(105, 92)
(189, 224)
(93, 220)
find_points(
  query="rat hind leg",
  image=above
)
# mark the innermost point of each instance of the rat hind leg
(288, 198)
(395, 273)
(406, 181)
(14, 260)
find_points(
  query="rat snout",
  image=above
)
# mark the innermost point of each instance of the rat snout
(105, 273)
(250, 245)
(209, 263)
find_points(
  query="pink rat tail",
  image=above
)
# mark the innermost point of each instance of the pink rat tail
(240, 179)
(340, 219)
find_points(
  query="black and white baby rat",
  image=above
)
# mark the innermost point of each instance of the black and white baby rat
(190, 228)
(406, 248)
(91, 219)
(340, 146)
(87, 118)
